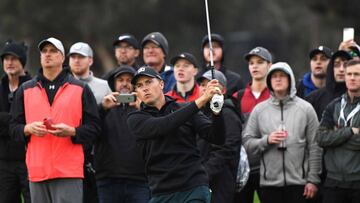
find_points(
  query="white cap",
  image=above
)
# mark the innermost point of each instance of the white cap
(57, 43)
(82, 49)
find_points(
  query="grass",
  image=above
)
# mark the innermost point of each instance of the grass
(256, 198)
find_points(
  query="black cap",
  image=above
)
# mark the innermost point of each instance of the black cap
(118, 71)
(321, 49)
(127, 38)
(187, 56)
(214, 38)
(145, 71)
(124, 69)
(157, 38)
(15, 49)
(341, 53)
(260, 52)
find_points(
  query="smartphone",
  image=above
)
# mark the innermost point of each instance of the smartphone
(48, 122)
(348, 34)
(126, 98)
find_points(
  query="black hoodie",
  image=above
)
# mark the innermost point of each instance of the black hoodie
(116, 153)
(320, 98)
(9, 150)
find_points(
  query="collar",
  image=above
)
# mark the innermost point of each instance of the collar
(89, 78)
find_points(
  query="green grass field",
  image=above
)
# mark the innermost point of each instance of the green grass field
(256, 198)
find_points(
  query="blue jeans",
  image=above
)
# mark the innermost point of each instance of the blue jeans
(119, 190)
(199, 194)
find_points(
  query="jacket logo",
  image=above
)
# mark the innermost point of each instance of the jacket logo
(51, 87)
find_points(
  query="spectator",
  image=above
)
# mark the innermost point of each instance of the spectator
(13, 173)
(166, 134)
(185, 70)
(55, 114)
(338, 134)
(291, 160)
(259, 61)
(335, 83)
(127, 50)
(221, 161)
(319, 60)
(80, 60)
(234, 80)
(155, 50)
(120, 170)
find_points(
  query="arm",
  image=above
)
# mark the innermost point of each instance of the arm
(253, 141)
(90, 126)
(328, 135)
(4, 124)
(145, 126)
(354, 142)
(17, 122)
(230, 150)
(315, 152)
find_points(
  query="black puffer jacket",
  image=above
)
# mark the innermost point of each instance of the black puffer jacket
(9, 150)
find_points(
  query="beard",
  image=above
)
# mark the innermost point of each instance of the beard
(320, 75)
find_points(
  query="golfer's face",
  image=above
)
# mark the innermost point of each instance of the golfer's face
(149, 90)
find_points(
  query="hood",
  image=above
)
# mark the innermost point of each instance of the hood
(287, 69)
(331, 84)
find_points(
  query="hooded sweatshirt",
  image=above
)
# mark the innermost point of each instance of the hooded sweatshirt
(301, 161)
(320, 98)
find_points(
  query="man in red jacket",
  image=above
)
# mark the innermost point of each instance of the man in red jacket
(55, 114)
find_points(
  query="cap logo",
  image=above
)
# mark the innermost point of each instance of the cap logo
(256, 50)
(141, 70)
(152, 36)
(182, 55)
(123, 37)
(78, 46)
(321, 48)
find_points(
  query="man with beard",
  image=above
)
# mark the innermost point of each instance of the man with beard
(319, 60)
(120, 170)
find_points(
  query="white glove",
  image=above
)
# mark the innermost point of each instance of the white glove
(216, 103)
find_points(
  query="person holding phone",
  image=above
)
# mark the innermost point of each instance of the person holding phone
(120, 170)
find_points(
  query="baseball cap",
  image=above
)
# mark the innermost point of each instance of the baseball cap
(187, 56)
(321, 49)
(127, 38)
(157, 38)
(218, 75)
(124, 69)
(57, 43)
(145, 71)
(81, 48)
(15, 49)
(341, 53)
(260, 52)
